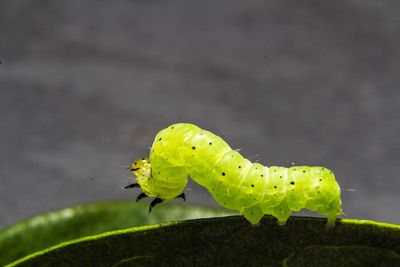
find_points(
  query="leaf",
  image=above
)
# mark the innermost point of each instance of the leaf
(49, 229)
(232, 241)
(342, 256)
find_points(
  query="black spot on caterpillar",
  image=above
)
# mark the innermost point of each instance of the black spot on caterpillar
(236, 183)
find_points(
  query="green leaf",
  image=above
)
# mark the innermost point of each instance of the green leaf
(232, 241)
(46, 230)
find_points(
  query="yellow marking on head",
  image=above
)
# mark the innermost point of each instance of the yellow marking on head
(141, 168)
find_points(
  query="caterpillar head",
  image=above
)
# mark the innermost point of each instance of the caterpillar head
(141, 168)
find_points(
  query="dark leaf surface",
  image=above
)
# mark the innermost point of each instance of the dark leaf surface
(232, 241)
(43, 231)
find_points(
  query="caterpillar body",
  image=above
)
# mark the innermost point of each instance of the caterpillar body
(183, 150)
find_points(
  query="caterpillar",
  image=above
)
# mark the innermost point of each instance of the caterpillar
(183, 150)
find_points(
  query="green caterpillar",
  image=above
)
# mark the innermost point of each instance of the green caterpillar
(235, 182)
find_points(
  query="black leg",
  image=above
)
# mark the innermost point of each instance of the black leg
(155, 202)
(182, 196)
(140, 196)
(132, 185)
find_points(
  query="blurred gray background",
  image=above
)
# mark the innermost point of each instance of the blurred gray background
(86, 85)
